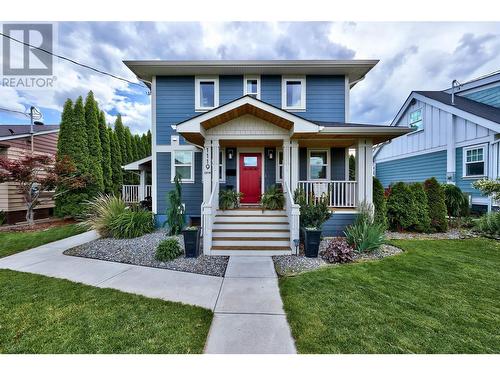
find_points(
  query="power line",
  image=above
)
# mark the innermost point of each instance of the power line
(12, 110)
(72, 61)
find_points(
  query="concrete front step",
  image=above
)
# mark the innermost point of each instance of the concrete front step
(252, 218)
(242, 225)
(254, 233)
(250, 242)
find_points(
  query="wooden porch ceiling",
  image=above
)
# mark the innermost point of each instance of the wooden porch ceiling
(251, 143)
(244, 110)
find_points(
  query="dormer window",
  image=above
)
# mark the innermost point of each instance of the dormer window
(293, 93)
(251, 86)
(206, 93)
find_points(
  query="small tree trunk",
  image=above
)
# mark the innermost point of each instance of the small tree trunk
(30, 215)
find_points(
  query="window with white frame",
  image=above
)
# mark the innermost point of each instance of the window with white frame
(293, 93)
(251, 86)
(183, 165)
(415, 121)
(206, 93)
(318, 162)
(474, 161)
(279, 167)
(222, 166)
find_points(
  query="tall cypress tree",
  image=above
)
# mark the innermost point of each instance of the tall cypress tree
(144, 146)
(116, 162)
(94, 145)
(106, 154)
(120, 137)
(64, 143)
(135, 148)
(150, 143)
(128, 145)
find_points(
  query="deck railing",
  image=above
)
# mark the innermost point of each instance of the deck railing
(341, 194)
(131, 193)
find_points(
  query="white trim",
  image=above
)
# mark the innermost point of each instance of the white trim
(24, 135)
(222, 160)
(189, 180)
(278, 150)
(302, 80)
(250, 150)
(170, 148)
(484, 147)
(251, 77)
(154, 176)
(197, 95)
(134, 166)
(347, 99)
(328, 164)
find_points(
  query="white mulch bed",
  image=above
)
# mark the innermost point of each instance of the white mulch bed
(452, 234)
(141, 251)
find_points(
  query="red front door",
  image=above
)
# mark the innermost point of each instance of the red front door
(250, 177)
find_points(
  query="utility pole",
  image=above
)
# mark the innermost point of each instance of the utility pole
(32, 110)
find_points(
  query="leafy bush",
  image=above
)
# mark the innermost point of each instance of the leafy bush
(3, 217)
(365, 235)
(312, 215)
(337, 251)
(101, 211)
(229, 199)
(489, 224)
(488, 187)
(401, 213)
(379, 202)
(175, 211)
(132, 223)
(422, 220)
(437, 205)
(273, 198)
(168, 249)
(455, 200)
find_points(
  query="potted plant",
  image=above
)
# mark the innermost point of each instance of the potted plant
(312, 218)
(229, 199)
(191, 241)
(273, 199)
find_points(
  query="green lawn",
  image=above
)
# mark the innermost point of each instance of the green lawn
(440, 296)
(14, 242)
(39, 314)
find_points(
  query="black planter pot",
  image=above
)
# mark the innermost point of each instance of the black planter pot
(191, 243)
(312, 238)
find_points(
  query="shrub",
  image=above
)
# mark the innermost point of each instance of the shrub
(400, 207)
(437, 205)
(175, 211)
(489, 224)
(132, 223)
(168, 249)
(455, 200)
(229, 199)
(488, 187)
(379, 202)
(101, 211)
(273, 199)
(337, 251)
(422, 220)
(365, 235)
(313, 216)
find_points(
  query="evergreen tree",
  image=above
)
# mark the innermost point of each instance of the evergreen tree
(437, 205)
(120, 135)
(379, 203)
(116, 162)
(401, 207)
(94, 145)
(128, 146)
(144, 145)
(64, 144)
(135, 147)
(106, 154)
(422, 220)
(352, 168)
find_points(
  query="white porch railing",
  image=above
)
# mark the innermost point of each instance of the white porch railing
(341, 194)
(208, 210)
(131, 193)
(293, 213)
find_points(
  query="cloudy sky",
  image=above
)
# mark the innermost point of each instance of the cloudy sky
(413, 56)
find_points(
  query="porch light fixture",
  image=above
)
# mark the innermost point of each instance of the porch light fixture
(230, 153)
(270, 154)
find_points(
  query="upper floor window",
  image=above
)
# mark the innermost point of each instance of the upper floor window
(416, 122)
(183, 165)
(318, 165)
(252, 86)
(293, 93)
(206, 93)
(474, 161)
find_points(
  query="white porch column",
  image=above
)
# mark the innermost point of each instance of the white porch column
(294, 165)
(142, 184)
(450, 150)
(364, 170)
(215, 169)
(286, 161)
(207, 170)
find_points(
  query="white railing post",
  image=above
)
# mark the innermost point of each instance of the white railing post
(293, 213)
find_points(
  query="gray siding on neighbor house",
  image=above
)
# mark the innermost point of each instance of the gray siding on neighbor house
(192, 193)
(413, 169)
(337, 223)
(337, 164)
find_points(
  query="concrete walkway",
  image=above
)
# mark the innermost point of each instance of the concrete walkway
(249, 316)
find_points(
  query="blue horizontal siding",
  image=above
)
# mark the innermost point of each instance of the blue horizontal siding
(192, 194)
(335, 226)
(465, 184)
(489, 96)
(230, 88)
(325, 98)
(413, 169)
(270, 89)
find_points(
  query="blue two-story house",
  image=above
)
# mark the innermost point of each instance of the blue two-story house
(249, 125)
(455, 138)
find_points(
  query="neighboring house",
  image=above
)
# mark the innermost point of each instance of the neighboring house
(248, 125)
(458, 143)
(15, 142)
